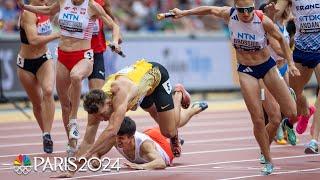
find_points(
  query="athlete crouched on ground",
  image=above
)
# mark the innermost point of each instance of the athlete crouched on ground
(147, 150)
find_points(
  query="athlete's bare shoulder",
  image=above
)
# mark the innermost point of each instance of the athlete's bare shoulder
(146, 147)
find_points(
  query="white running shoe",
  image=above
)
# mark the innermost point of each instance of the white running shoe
(71, 151)
(73, 130)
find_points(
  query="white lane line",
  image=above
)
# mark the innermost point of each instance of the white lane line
(202, 117)
(32, 154)
(182, 133)
(62, 132)
(6, 164)
(194, 165)
(284, 172)
(201, 152)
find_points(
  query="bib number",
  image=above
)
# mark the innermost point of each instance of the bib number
(88, 54)
(167, 86)
(20, 61)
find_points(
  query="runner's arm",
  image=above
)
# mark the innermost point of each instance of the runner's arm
(120, 104)
(149, 152)
(28, 19)
(100, 13)
(47, 10)
(107, 9)
(274, 44)
(221, 12)
(273, 31)
(89, 136)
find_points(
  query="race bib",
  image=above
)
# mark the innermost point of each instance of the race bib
(88, 54)
(167, 86)
(20, 61)
(44, 28)
(310, 23)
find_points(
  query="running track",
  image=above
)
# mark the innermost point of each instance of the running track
(218, 145)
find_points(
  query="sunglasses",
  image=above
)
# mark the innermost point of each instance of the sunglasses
(245, 9)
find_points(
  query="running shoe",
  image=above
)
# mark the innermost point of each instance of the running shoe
(262, 159)
(267, 169)
(73, 130)
(47, 143)
(312, 147)
(186, 98)
(71, 151)
(290, 132)
(281, 141)
(303, 122)
(280, 134)
(175, 146)
(202, 104)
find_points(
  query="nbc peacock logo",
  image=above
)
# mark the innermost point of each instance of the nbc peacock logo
(22, 165)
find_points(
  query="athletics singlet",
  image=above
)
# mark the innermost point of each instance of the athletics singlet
(75, 21)
(307, 21)
(141, 73)
(247, 36)
(139, 139)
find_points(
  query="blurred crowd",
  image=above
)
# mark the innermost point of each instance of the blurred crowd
(138, 15)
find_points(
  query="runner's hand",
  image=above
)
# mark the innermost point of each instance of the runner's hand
(270, 10)
(116, 48)
(134, 166)
(293, 70)
(177, 12)
(95, 163)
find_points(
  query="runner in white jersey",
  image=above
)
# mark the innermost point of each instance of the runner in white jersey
(135, 146)
(140, 139)
(248, 30)
(75, 56)
(306, 56)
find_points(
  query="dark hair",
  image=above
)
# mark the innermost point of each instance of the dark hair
(291, 27)
(93, 100)
(128, 127)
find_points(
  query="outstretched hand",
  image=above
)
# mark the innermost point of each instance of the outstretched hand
(294, 71)
(134, 166)
(270, 10)
(177, 13)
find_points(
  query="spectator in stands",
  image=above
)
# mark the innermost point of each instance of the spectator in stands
(9, 15)
(139, 15)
